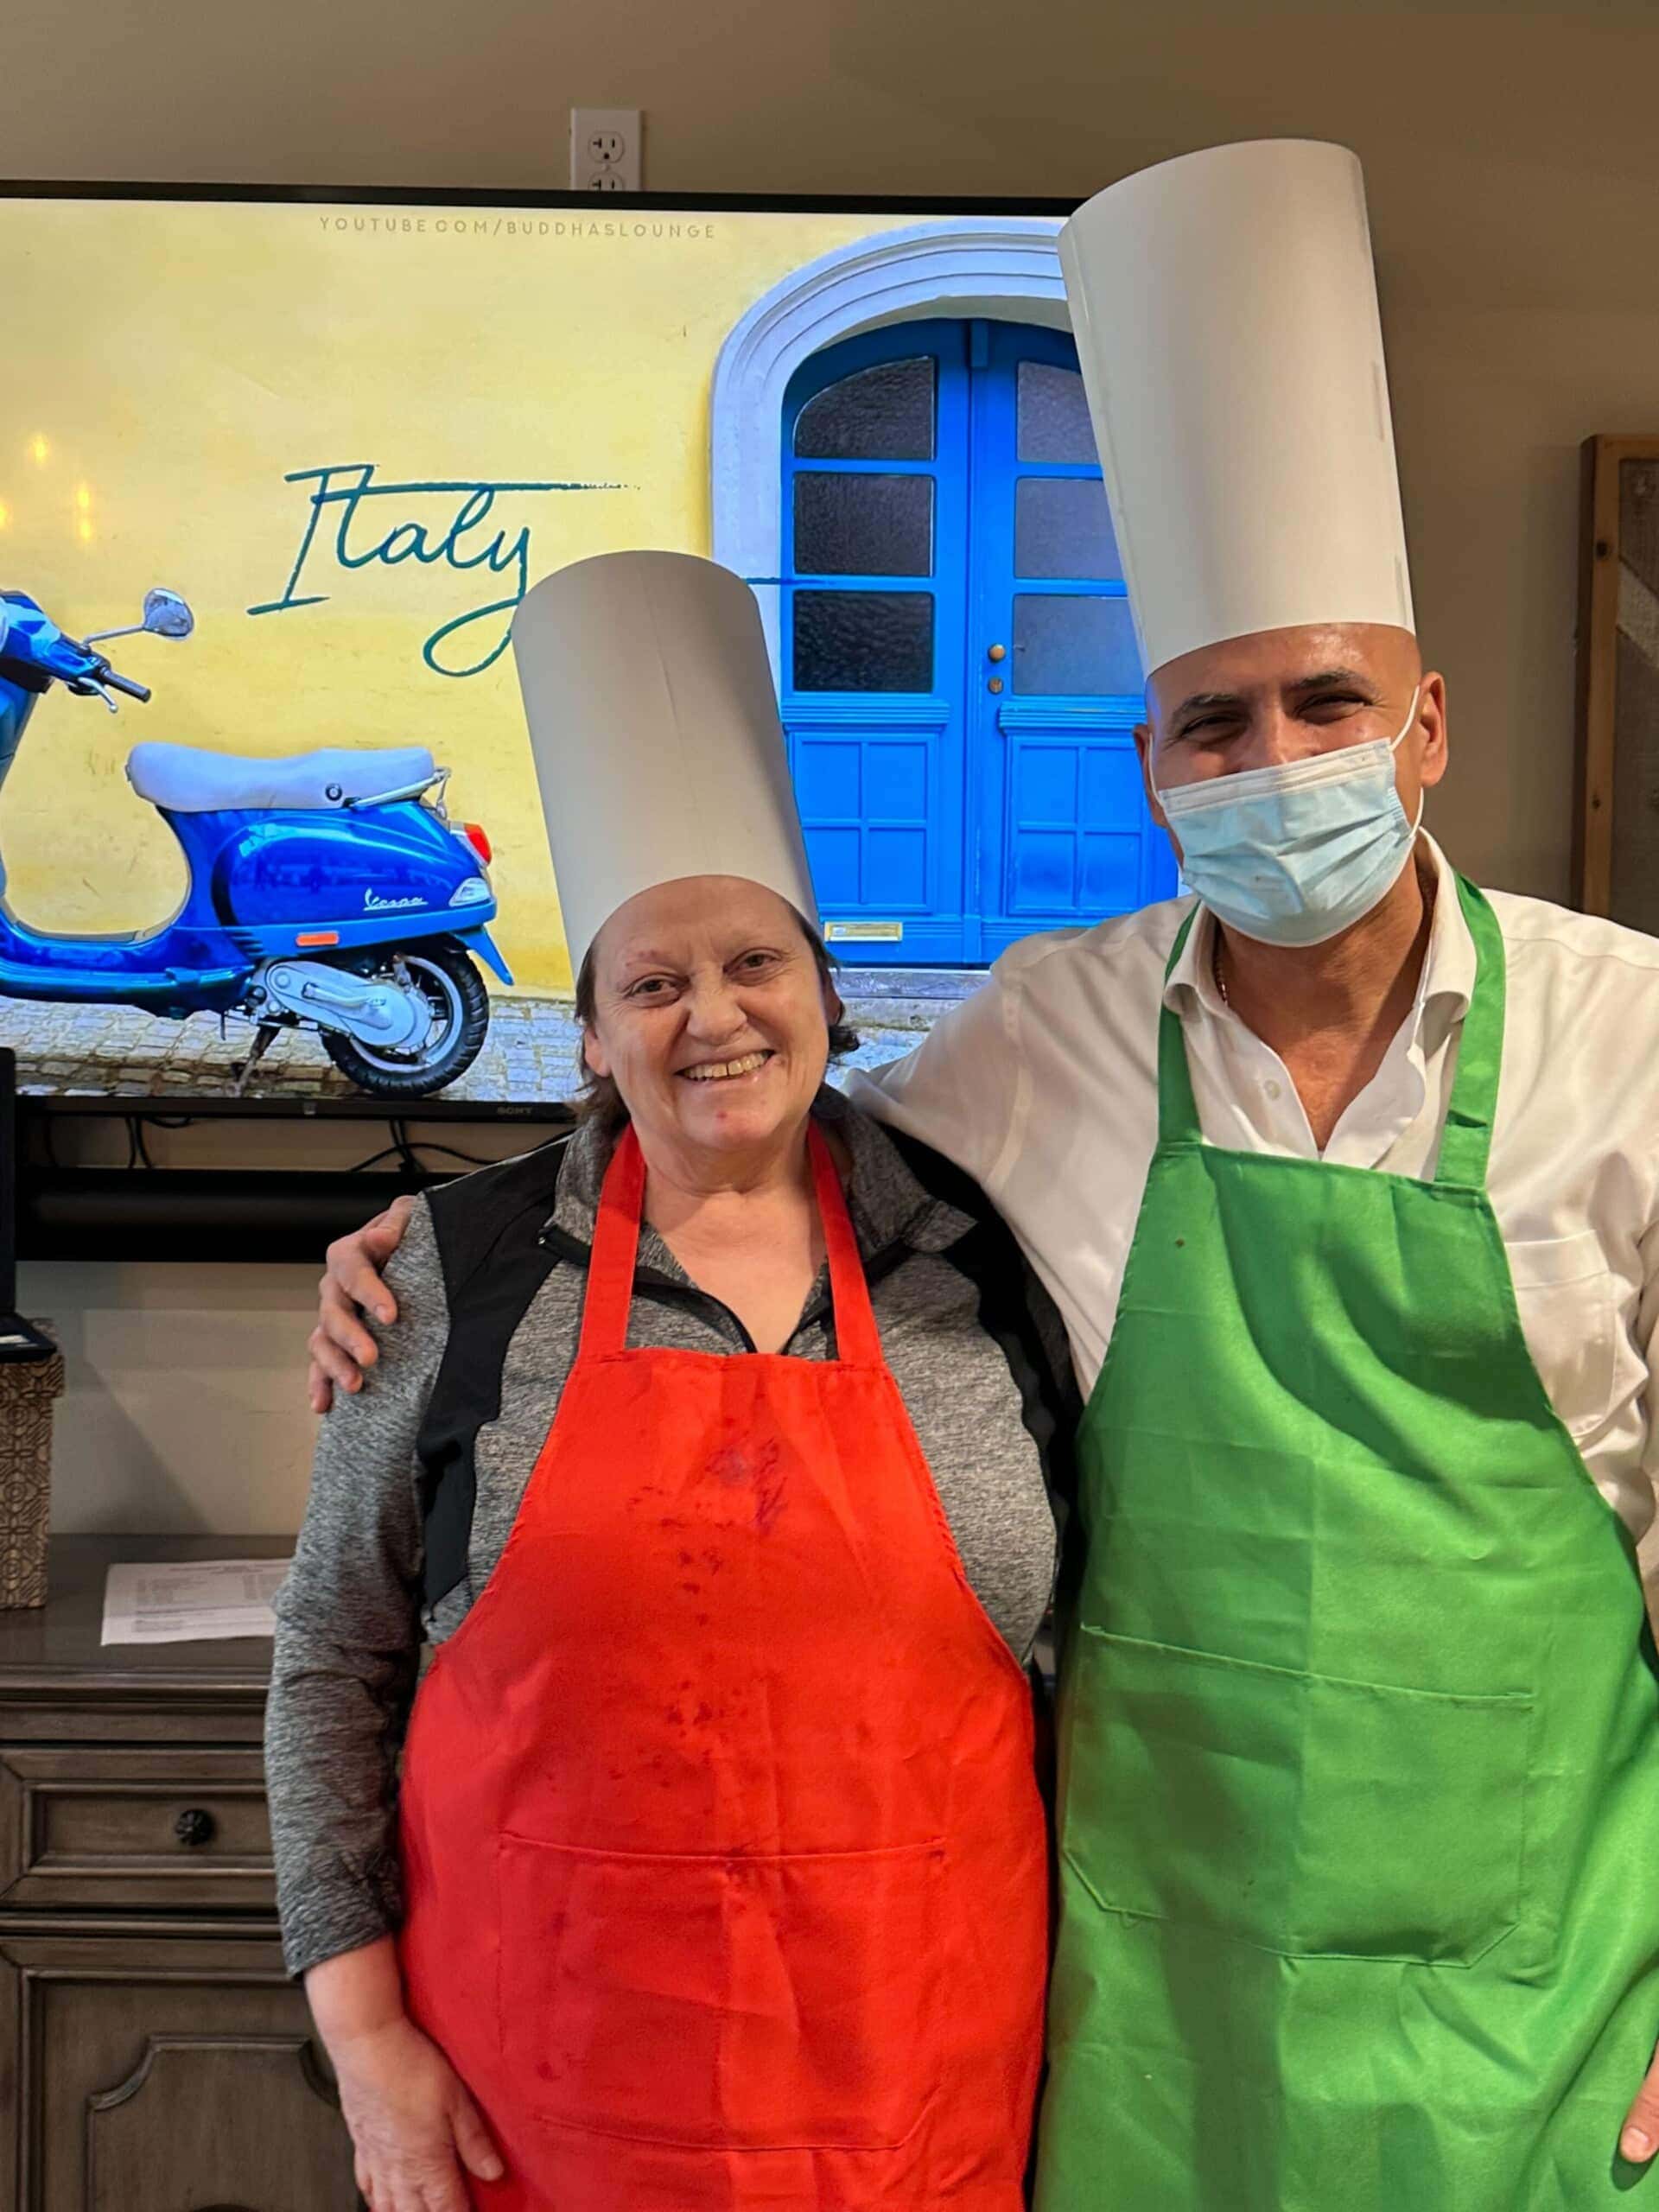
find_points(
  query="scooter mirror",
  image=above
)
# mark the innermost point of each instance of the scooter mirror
(167, 614)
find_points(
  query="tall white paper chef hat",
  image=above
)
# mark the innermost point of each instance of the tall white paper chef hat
(654, 727)
(1225, 306)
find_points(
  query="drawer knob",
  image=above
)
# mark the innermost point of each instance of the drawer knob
(193, 1826)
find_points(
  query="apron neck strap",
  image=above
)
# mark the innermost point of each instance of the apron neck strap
(1467, 1137)
(616, 1252)
(858, 1341)
(1178, 1109)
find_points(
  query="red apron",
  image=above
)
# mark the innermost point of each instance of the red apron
(725, 1860)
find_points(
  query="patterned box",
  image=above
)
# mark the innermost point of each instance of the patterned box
(27, 1390)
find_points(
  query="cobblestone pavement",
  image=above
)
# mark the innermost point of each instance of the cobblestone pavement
(530, 1051)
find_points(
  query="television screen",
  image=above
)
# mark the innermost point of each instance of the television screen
(322, 449)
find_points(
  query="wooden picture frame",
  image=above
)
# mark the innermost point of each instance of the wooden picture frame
(1615, 811)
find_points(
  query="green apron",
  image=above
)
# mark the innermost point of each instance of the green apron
(1359, 1827)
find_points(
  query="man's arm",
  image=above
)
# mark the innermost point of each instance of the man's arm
(962, 1091)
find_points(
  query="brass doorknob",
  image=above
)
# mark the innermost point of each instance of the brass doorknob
(997, 653)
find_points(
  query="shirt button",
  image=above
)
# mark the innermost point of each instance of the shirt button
(1271, 1087)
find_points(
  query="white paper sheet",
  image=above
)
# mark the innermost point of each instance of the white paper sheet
(187, 1601)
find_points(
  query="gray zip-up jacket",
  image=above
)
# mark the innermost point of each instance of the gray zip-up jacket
(417, 1479)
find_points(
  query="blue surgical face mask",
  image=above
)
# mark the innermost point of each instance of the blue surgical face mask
(1298, 852)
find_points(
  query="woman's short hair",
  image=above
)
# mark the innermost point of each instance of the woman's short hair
(597, 1096)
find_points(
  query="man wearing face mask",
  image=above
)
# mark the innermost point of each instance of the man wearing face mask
(1356, 1171)
(1345, 1178)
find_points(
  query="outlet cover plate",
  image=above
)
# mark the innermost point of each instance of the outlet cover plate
(606, 150)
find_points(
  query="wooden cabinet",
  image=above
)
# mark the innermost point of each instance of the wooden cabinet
(154, 2057)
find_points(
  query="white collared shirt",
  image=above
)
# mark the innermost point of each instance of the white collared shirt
(1044, 1087)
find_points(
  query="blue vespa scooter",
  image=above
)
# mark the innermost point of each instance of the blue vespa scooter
(328, 891)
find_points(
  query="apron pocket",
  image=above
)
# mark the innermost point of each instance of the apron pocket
(742, 2003)
(1566, 1301)
(1309, 1815)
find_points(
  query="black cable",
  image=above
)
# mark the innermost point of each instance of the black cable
(386, 1152)
(400, 1138)
(405, 1149)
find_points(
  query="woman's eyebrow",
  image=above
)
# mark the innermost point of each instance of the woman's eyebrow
(637, 964)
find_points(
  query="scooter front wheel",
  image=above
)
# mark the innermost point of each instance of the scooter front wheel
(442, 971)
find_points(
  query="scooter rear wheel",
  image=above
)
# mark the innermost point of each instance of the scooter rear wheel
(444, 971)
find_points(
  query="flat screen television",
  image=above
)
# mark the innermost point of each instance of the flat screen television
(322, 444)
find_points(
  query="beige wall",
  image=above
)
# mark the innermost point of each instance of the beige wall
(1513, 169)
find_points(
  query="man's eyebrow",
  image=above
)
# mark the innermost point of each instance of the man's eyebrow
(1325, 679)
(1332, 679)
(1197, 699)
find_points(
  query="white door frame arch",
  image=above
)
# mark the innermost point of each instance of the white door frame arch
(1003, 267)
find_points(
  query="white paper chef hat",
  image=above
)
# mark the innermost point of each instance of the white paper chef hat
(654, 726)
(1225, 306)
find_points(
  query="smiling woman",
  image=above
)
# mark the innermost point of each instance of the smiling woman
(715, 1442)
(599, 1097)
(710, 1020)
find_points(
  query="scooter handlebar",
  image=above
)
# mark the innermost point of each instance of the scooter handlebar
(124, 684)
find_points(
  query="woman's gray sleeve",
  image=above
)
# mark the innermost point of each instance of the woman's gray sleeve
(348, 1637)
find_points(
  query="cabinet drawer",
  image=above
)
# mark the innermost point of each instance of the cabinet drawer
(103, 1828)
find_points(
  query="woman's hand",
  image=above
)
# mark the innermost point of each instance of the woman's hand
(414, 2128)
(339, 1345)
(413, 2125)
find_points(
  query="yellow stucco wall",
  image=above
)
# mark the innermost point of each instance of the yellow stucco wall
(165, 367)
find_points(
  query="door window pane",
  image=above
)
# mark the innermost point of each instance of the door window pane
(864, 525)
(884, 413)
(1063, 527)
(1052, 415)
(863, 640)
(1064, 646)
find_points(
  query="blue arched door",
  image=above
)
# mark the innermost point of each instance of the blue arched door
(960, 681)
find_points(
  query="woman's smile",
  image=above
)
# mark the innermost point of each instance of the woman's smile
(729, 1070)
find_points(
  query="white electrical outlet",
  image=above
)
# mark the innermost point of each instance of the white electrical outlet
(605, 150)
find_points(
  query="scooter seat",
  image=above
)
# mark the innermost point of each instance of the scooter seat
(188, 780)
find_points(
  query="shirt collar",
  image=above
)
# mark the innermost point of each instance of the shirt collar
(888, 1204)
(1448, 982)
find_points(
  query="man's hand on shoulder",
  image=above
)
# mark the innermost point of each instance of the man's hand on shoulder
(340, 1347)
